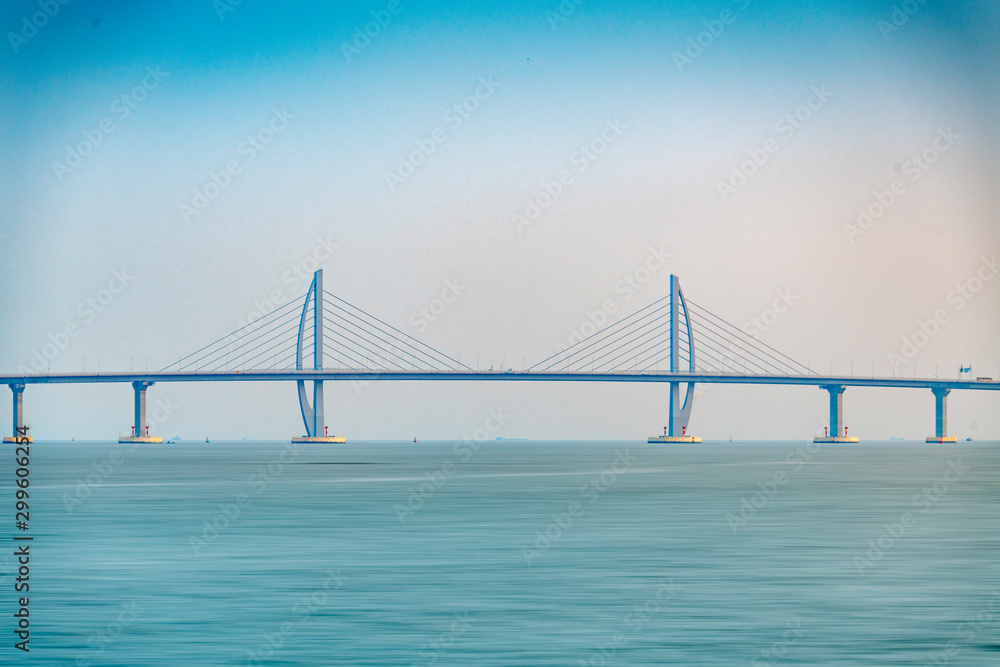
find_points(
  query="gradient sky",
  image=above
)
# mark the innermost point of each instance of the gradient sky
(222, 76)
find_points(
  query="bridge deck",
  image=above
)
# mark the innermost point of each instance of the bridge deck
(332, 374)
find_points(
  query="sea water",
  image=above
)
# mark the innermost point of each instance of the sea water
(507, 553)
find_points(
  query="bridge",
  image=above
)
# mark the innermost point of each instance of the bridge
(657, 343)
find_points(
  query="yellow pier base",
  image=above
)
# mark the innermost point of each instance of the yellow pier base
(945, 438)
(841, 438)
(150, 439)
(8, 438)
(674, 439)
(335, 439)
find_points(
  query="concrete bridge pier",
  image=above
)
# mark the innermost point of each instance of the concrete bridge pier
(837, 430)
(941, 415)
(17, 388)
(139, 432)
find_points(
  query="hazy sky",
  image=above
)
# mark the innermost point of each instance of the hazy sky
(182, 162)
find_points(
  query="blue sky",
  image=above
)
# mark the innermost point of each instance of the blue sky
(558, 75)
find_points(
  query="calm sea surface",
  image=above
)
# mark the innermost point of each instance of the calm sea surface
(515, 553)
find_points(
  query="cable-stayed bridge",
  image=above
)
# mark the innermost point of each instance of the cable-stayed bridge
(320, 337)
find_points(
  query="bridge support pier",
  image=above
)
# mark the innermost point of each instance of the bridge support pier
(140, 432)
(17, 389)
(837, 430)
(941, 415)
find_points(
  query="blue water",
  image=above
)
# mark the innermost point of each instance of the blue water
(336, 559)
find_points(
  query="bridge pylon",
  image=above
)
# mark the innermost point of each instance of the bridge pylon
(941, 416)
(680, 413)
(17, 388)
(140, 432)
(837, 432)
(312, 415)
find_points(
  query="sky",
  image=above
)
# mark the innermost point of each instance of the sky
(167, 168)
